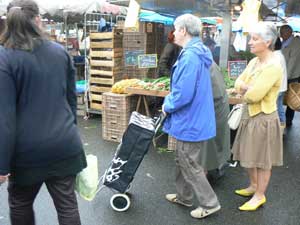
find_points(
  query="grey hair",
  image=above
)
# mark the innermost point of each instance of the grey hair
(267, 32)
(191, 23)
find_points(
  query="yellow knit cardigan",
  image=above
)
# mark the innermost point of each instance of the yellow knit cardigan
(264, 85)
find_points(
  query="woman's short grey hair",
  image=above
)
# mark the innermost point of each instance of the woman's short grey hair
(267, 32)
(191, 23)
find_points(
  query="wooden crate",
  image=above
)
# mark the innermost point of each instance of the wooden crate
(110, 134)
(171, 143)
(116, 111)
(106, 62)
(144, 27)
(150, 42)
(95, 105)
(123, 103)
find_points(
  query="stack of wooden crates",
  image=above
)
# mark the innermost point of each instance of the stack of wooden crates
(106, 60)
(149, 39)
(117, 108)
(116, 113)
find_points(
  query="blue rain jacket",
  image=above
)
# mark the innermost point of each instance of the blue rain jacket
(190, 103)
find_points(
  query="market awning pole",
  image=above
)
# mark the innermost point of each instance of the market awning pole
(225, 38)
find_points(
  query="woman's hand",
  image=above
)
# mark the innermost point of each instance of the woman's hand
(243, 88)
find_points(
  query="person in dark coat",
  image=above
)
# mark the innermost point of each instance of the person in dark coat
(214, 158)
(291, 51)
(40, 142)
(168, 56)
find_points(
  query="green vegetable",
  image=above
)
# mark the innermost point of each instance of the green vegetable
(229, 82)
(160, 84)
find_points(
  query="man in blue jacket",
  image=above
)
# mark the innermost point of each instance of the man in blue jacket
(191, 117)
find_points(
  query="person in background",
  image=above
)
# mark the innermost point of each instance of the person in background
(101, 25)
(283, 86)
(291, 51)
(258, 142)
(191, 117)
(210, 43)
(168, 56)
(214, 158)
(39, 139)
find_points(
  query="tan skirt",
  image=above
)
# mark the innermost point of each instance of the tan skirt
(258, 142)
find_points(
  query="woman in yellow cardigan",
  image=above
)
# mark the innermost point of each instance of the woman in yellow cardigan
(258, 143)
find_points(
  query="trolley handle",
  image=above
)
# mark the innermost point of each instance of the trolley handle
(160, 120)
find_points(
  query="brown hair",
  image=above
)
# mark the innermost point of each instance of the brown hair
(171, 36)
(21, 29)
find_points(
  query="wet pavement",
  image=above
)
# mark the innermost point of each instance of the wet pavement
(155, 178)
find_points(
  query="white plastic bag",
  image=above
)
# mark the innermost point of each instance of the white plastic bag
(87, 179)
(234, 117)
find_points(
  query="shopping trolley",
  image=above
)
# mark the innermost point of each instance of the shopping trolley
(130, 152)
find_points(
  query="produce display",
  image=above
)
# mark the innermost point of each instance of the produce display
(121, 86)
(159, 84)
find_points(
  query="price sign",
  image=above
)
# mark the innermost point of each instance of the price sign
(131, 57)
(236, 68)
(147, 61)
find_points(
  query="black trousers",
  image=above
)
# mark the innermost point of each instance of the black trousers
(21, 200)
(289, 113)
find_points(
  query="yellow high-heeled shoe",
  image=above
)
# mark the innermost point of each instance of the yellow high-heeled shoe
(248, 207)
(244, 192)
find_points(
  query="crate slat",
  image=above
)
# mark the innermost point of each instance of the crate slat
(96, 97)
(94, 88)
(107, 63)
(103, 54)
(96, 106)
(102, 35)
(106, 54)
(102, 72)
(102, 63)
(116, 34)
(103, 44)
(98, 80)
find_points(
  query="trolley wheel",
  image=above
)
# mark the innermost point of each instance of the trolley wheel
(120, 202)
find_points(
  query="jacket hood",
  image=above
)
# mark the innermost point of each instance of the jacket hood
(201, 50)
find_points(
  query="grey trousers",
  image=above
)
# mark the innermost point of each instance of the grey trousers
(190, 176)
(21, 200)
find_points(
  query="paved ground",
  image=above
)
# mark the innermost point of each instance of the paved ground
(155, 178)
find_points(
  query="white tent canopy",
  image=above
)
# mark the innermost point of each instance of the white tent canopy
(67, 6)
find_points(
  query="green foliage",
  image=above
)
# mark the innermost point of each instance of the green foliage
(229, 82)
(163, 150)
(243, 55)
